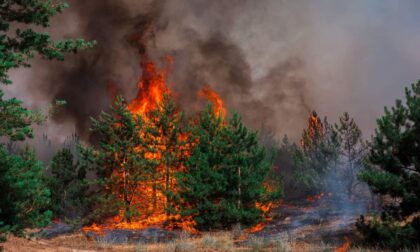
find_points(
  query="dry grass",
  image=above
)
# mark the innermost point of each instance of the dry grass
(209, 242)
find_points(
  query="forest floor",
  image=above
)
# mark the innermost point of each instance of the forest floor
(220, 241)
(308, 226)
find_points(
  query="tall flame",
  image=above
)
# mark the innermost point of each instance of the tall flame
(215, 100)
(151, 89)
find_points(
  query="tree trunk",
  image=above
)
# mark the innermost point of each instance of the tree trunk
(126, 198)
(167, 177)
(154, 200)
(239, 188)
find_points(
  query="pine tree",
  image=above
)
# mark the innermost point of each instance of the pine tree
(316, 155)
(171, 144)
(284, 168)
(15, 120)
(394, 170)
(21, 38)
(67, 185)
(224, 175)
(251, 165)
(23, 195)
(352, 152)
(121, 158)
(18, 46)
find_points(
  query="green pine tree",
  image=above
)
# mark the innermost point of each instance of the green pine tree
(352, 153)
(18, 46)
(224, 175)
(24, 197)
(67, 185)
(21, 38)
(394, 171)
(15, 120)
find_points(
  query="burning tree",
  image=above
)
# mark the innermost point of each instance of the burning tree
(142, 146)
(317, 153)
(173, 149)
(154, 169)
(394, 171)
(223, 180)
(121, 159)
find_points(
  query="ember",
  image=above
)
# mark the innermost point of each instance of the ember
(315, 197)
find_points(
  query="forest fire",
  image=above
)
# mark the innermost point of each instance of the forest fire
(151, 200)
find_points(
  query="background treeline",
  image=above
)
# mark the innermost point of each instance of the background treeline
(220, 166)
(335, 158)
(326, 159)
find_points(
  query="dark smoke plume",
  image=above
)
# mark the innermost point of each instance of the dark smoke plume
(272, 61)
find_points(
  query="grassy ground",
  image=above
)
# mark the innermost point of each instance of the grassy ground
(219, 241)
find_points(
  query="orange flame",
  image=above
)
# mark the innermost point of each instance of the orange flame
(260, 226)
(345, 246)
(215, 100)
(265, 208)
(150, 201)
(152, 87)
(315, 130)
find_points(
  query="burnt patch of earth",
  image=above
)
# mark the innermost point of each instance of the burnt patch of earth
(56, 229)
(122, 236)
(327, 220)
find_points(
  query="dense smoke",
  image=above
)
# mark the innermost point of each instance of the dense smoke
(272, 61)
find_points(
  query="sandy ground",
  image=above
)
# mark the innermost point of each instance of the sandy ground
(220, 241)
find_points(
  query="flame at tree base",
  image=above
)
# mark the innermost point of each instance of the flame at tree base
(156, 220)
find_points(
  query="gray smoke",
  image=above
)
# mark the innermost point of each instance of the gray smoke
(271, 60)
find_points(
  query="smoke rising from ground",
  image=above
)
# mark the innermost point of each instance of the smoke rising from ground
(272, 61)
